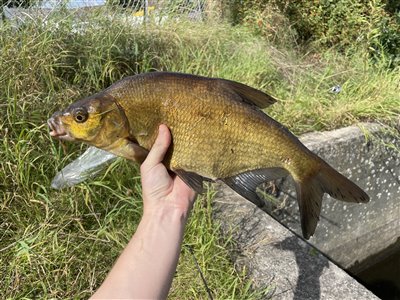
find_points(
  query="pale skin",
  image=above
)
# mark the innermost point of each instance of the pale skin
(147, 265)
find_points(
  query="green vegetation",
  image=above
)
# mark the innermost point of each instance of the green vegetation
(346, 25)
(61, 244)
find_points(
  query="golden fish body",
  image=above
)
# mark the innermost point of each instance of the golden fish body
(215, 133)
(218, 132)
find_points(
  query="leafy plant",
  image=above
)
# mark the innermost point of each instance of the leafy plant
(343, 24)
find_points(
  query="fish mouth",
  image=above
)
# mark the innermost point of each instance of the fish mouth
(57, 130)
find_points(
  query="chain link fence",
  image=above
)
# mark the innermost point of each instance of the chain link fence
(18, 11)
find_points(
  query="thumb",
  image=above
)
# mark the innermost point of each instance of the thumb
(159, 148)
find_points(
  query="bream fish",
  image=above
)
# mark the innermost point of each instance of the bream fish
(218, 129)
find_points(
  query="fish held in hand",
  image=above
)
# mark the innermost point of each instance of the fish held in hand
(218, 132)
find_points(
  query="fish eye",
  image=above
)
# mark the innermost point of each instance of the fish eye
(80, 115)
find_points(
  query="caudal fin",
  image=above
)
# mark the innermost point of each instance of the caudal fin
(310, 191)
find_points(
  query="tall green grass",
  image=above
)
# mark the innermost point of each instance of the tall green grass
(61, 244)
(368, 93)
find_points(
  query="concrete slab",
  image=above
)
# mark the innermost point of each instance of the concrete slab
(276, 258)
(348, 233)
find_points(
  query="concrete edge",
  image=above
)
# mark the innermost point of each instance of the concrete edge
(277, 259)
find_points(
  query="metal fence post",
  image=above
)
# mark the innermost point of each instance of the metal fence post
(145, 10)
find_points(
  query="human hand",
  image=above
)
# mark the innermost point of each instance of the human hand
(147, 265)
(163, 191)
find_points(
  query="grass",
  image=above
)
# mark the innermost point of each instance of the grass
(61, 244)
(368, 94)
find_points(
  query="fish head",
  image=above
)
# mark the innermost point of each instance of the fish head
(97, 120)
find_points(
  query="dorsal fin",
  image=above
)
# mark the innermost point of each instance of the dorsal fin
(248, 94)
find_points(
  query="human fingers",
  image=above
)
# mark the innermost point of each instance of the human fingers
(159, 148)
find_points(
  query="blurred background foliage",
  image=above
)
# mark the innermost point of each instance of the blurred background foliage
(342, 24)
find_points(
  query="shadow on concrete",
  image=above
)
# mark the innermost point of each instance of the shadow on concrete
(309, 268)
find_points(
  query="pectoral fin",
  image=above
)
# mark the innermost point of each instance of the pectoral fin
(129, 150)
(245, 184)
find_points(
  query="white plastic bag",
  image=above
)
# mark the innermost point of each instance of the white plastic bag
(88, 165)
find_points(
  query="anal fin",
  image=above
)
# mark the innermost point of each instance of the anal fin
(245, 184)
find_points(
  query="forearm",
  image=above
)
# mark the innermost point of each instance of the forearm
(146, 267)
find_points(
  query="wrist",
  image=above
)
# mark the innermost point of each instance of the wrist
(164, 214)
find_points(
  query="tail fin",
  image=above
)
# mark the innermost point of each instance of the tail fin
(310, 191)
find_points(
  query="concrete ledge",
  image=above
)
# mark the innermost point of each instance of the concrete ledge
(278, 259)
(348, 233)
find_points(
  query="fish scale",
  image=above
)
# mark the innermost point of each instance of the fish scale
(204, 124)
(218, 130)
